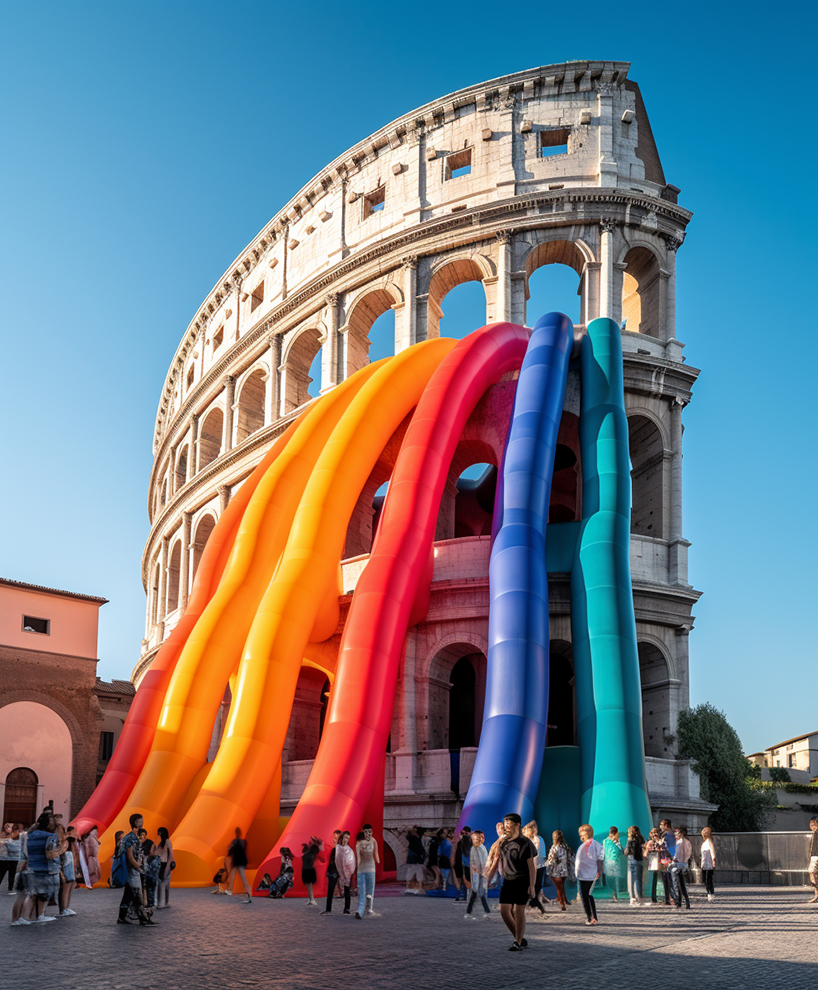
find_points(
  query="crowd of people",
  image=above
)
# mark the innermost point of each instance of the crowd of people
(43, 864)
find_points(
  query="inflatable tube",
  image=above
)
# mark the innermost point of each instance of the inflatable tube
(359, 718)
(606, 662)
(510, 753)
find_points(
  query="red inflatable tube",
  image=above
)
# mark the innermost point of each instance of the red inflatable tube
(340, 789)
(136, 739)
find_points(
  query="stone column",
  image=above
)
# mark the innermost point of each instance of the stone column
(606, 273)
(406, 319)
(502, 311)
(193, 459)
(162, 607)
(272, 397)
(227, 422)
(224, 497)
(406, 757)
(677, 550)
(607, 162)
(329, 350)
(673, 347)
(184, 570)
(682, 673)
(618, 288)
(285, 235)
(237, 280)
(590, 294)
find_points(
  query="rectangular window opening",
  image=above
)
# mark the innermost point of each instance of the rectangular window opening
(106, 746)
(218, 337)
(257, 296)
(554, 141)
(374, 202)
(32, 624)
(458, 164)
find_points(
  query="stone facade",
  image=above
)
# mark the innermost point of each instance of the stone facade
(552, 165)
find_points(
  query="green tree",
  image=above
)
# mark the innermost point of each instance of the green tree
(707, 737)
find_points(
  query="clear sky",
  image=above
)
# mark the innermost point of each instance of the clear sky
(145, 144)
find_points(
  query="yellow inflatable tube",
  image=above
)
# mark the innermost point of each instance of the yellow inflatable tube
(251, 747)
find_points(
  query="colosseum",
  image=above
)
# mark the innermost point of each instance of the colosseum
(553, 165)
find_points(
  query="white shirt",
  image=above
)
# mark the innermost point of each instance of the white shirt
(708, 854)
(588, 859)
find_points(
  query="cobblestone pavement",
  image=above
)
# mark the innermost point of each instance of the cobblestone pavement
(749, 938)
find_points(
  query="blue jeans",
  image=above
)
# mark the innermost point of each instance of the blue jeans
(677, 873)
(635, 879)
(366, 885)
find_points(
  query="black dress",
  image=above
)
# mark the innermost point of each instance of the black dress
(238, 852)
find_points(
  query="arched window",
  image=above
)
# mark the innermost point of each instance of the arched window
(250, 412)
(561, 696)
(174, 569)
(181, 468)
(302, 369)
(647, 477)
(460, 284)
(210, 438)
(474, 502)
(566, 480)
(308, 713)
(640, 293)
(163, 498)
(553, 284)
(370, 333)
(204, 528)
(463, 727)
(457, 690)
(656, 707)
(20, 804)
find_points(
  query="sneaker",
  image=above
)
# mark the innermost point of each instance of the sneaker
(229, 893)
(468, 917)
(67, 913)
(327, 912)
(346, 911)
(147, 922)
(122, 921)
(523, 943)
(709, 897)
(46, 917)
(369, 911)
(358, 915)
(21, 921)
(515, 947)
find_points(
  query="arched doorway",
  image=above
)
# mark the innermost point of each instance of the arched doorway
(20, 803)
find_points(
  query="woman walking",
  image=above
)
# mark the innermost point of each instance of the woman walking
(679, 868)
(164, 853)
(237, 854)
(536, 840)
(635, 855)
(560, 866)
(658, 861)
(344, 868)
(615, 863)
(366, 852)
(309, 877)
(588, 867)
(708, 854)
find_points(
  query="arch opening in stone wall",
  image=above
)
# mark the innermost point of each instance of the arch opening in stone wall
(467, 502)
(174, 573)
(307, 716)
(20, 796)
(641, 301)
(163, 498)
(301, 364)
(369, 334)
(647, 477)
(204, 527)
(554, 281)
(210, 437)
(156, 611)
(456, 697)
(250, 405)
(566, 481)
(181, 467)
(561, 695)
(654, 674)
(460, 283)
(39, 740)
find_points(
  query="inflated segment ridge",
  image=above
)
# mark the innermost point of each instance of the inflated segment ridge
(343, 781)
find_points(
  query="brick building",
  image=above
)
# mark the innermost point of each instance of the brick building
(58, 721)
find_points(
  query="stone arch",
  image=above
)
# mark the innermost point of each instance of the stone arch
(641, 293)
(455, 707)
(656, 678)
(296, 360)
(205, 525)
(181, 467)
(562, 697)
(307, 716)
(250, 403)
(362, 312)
(566, 484)
(210, 437)
(647, 453)
(447, 274)
(464, 504)
(553, 250)
(174, 573)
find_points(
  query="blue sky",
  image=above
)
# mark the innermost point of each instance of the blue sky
(145, 144)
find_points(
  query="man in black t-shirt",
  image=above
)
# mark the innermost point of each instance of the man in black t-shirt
(519, 861)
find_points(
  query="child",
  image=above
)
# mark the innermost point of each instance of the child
(588, 866)
(266, 882)
(284, 880)
(614, 861)
(477, 865)
(708, 861)
(220, 879)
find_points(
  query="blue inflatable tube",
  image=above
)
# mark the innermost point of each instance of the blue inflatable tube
(509, 758)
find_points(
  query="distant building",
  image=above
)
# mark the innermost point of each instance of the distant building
(59, 722)
(799, 753)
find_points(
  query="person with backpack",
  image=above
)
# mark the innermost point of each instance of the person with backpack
(119, 866)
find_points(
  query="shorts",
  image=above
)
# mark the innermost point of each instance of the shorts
(514, 891)
(308, 875)
(467, 873)
(458, 870)
(42, 885)
(414, 871)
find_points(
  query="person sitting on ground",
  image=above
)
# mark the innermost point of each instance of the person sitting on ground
(284, 881)
(220, 879)
(266, 882)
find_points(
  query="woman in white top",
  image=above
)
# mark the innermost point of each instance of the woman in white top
(588, 867)
(345, 865)
(708, 861)
(366, 850)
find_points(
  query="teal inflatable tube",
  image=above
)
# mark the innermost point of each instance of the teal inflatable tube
(613, 788)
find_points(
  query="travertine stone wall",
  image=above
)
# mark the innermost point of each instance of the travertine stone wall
(551, 165)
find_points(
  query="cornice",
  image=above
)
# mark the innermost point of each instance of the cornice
(479, 222)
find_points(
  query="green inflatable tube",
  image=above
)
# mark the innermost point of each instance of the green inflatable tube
(613, 788)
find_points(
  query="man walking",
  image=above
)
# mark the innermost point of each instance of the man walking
(813, 859)
(517, 861)
(132, 893)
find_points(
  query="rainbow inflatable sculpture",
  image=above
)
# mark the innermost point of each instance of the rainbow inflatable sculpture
(265, 602)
